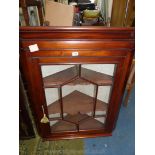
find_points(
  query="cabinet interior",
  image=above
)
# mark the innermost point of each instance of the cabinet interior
(77, 95)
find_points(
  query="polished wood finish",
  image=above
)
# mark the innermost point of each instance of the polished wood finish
(71, 121)
(95, 46)
(70, 74)
(71, 33)
(130, 83)
(82, 103)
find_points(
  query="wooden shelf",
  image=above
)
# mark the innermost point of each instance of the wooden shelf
(84, 122)
(61, 77)
(90, 124)
(76, 118)
(63, 126)
(76, 102)
(96, 77)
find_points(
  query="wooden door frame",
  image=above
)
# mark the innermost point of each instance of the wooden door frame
(38, 92)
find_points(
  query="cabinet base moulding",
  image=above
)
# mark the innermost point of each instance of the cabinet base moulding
(75, 136)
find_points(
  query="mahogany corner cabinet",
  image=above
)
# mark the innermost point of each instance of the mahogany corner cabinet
(75, 77)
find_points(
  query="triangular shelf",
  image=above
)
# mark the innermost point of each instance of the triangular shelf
(63, 126)
(96, 77)
(87, 123)
(61, 77)
(76, 102)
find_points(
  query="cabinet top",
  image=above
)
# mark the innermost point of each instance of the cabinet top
(48, 32)
(61, 28)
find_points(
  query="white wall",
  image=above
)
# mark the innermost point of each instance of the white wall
(110, 2)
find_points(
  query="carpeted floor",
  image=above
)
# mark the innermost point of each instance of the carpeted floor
(121, 143)
(64, 147)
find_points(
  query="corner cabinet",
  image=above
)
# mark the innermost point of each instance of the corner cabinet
(75, 78)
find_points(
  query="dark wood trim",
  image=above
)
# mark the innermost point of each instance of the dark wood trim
(73, 136)
(91, 29)
(76, 33)
(38, 95)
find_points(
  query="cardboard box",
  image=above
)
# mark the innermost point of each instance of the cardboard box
(58, 14)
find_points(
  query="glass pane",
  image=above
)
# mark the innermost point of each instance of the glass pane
(77, 96)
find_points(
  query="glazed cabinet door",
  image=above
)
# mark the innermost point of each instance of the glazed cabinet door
(80, 96)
